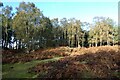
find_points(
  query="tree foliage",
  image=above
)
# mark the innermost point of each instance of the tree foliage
(29, 29)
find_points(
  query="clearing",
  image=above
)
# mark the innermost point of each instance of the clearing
(63, 62)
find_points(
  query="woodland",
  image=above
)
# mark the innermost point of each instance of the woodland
(35, 46)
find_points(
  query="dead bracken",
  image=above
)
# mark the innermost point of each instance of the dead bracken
(104, 62)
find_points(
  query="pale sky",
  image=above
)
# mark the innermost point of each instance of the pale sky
(85, 10)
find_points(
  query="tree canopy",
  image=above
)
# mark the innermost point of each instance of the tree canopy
(29, 29)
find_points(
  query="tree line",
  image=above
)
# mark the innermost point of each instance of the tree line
(29, 29)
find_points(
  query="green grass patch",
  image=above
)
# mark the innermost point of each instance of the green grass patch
(20, 70)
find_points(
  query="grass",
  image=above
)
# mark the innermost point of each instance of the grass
(86, 63)
(20, 70)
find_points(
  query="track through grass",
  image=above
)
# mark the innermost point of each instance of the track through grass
(20, 70)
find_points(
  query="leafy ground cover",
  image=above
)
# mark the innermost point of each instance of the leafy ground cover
(13, 56)
(94, 62)
(98, 62)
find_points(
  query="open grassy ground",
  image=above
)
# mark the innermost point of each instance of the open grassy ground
(63, 62)
(20, 70)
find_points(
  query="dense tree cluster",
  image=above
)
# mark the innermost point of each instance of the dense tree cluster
(29, 29)
(103, 32)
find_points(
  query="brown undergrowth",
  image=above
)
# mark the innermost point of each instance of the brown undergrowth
(95, 62)
(13, 56)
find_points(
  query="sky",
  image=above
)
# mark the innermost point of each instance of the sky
(83, 10)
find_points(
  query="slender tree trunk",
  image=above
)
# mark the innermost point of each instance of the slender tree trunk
(16, 44)
(63, 38)
(78, 41)
(83, 41)
(100, 37)
(39, 41)
(113, 39)
(107, 39)
(100, 41)
(75, 41)
(3, 39)
(5, 42)
(19, 44)
(69, 42)
(96, 42)
(6, 37)
(90, 45)
(2, 43)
